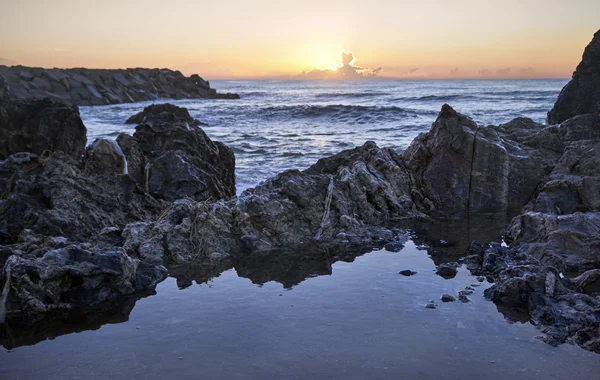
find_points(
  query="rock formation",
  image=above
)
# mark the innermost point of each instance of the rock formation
(36, 126)
(87, 87)
(582, 94)
(173, 158)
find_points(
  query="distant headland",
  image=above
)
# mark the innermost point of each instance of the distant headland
(86, 87)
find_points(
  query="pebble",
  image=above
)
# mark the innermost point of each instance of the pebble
(407, 272)
(448, 298)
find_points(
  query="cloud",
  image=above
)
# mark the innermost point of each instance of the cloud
(413, 70)
(346, 70)
(527, 70)
(503, 71)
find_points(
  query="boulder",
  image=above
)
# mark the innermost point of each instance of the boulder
(73, 278)
(36, 126)
(461, 169)
(162, 113)
(582, 94)
(181, 160)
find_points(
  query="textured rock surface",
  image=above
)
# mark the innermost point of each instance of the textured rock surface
(179, 159)
(342, 201)
(461, 169)
(38, 125)
(582, 94)
(99, 87)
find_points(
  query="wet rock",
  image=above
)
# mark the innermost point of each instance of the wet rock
(136, 161)
(181, 160)
(407, 272)
(460, 168)
(447, 270)
(448, 298)
(54, 197)
(588, 282)
(36, 126)
(463, 298)
(582, 94)
(162, 113)
(299, 211)
(104, 156)
(73, 277)
(431, 305)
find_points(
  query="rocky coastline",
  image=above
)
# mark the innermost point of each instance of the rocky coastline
(84, 230)
(93, 87)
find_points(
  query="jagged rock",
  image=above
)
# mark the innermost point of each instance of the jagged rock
(345, 200)
(105, 156)
(36, 126)
(53, 197)
(136, 161)
(4, 90)
(588, 282)
(100, 87)
(162, 113)
(462, 169)
(74, 277)
(180, 159)
(582, 94)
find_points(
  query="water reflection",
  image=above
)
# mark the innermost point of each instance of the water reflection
(443, 241)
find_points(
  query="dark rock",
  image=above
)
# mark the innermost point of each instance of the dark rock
(181, 160)
(582, 94)
(100, 87)
(162, 113)
(40, 125)
(136, 161)
(431, 305)
(447, 270)
(73, 277)
(105, 156)
(407, 272)
(588, 282)
(448, 298)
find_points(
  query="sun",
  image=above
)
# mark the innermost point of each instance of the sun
(333, 67)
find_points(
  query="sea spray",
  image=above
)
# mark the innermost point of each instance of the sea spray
(327, 209)
(119, 152)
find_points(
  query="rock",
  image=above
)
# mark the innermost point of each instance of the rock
(100, 87)
(447, 270)
(448, 298)
(104, 156)
(37, 126)
(407, 272)
(4, 90)
(582, 94)
(162, 113)
(134, 156)
(298, 211)
(588, 282)
(180, 159)
(463, 298)
(54, 197)
(431, 305)
(460, 168)
(74, 278)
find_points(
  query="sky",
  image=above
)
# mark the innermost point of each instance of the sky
(308, 39)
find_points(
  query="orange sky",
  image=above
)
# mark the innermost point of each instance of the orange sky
(280, 39)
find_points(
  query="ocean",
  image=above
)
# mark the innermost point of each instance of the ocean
(280, 125)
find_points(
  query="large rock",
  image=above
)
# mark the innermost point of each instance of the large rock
(461, 169)
(54, 197)
(347, 200)
(582, 94)
(72, 278)
(180, 160)
(100, 87)
(36, 126)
